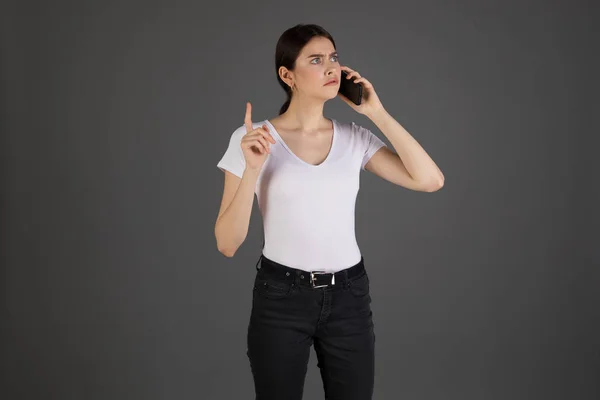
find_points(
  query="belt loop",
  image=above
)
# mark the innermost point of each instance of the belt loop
(259, 258)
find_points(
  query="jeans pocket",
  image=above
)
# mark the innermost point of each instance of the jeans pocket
(359, 287)
(272, 289)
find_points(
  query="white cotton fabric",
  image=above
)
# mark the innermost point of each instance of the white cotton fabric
(308, 210)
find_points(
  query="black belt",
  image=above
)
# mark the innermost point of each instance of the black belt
(315, 279)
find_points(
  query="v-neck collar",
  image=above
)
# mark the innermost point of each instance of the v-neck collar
(333, 140)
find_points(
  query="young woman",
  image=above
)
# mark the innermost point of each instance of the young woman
(311, 285)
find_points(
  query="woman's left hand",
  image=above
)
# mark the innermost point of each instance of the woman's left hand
(370, 101)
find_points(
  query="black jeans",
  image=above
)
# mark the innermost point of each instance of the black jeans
(289, 315)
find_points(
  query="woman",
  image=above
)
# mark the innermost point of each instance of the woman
(311, 286)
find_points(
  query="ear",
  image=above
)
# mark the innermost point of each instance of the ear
(286, 75)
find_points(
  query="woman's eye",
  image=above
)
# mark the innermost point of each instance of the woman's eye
(335, 57)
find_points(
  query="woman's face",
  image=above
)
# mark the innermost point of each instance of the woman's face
(315, 66)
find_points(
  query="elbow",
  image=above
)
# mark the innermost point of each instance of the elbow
(434, 188)
(227, 252)
(226, 245)
(434, 185)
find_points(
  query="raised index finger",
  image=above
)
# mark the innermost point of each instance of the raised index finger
(248, 117)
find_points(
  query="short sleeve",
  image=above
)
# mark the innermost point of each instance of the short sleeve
(370, 143)
(233, 160)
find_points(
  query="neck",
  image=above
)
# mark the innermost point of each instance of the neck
(304, 115)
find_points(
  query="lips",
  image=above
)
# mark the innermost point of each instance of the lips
(331, 81)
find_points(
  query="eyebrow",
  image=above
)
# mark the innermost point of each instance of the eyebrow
(320, 55)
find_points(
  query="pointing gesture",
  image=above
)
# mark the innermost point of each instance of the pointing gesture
(256, 143)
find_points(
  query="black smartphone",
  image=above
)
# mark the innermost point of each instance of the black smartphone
(353, 91)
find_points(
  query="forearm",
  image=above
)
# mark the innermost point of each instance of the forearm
(417, 162)
(232, 227)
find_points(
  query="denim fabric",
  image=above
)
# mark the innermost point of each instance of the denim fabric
(289, 315)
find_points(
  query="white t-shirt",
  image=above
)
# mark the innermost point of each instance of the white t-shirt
(308, 210)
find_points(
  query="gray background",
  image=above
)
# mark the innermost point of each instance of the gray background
(115, 113)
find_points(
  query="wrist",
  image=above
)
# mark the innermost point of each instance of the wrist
(379, 113)
(252, 172)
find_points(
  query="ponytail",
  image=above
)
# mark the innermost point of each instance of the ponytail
(285, 106)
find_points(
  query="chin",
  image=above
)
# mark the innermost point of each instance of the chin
(325, 94)
(330, 94)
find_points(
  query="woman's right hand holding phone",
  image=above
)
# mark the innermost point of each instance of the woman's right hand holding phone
(256, 143)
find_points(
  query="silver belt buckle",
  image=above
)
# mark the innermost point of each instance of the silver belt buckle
(312, 278)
